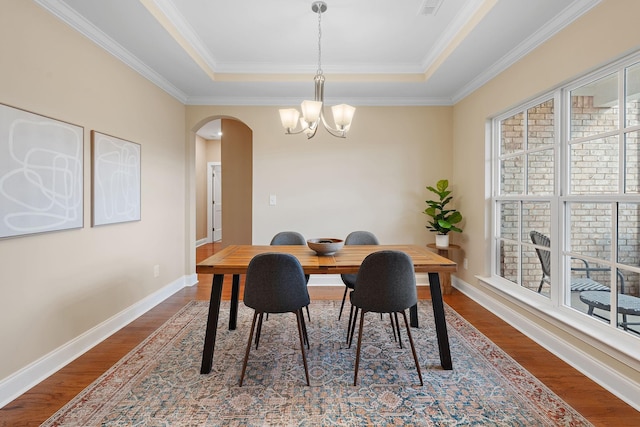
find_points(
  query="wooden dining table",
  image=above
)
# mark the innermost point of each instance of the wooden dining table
(235, 259)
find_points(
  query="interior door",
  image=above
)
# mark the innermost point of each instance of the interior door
(216, 201)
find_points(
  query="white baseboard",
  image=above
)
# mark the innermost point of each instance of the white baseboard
(27, 377)
(202, 242)
(614, 381)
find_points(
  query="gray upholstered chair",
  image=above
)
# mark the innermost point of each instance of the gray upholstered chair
(275, 283)
(290, 238)
(386, 283)
(349, 280)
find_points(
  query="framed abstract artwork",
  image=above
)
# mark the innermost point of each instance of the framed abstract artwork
(115, 180)
(41, 173)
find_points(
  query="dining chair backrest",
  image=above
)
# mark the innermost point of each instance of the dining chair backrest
(288, 238)
(386, 282)
(361, 238)
(275, 283)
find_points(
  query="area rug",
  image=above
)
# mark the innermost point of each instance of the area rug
(159, 382)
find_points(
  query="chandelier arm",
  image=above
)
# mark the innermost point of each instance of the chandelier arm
(331, 130)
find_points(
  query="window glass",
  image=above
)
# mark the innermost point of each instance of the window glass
(509, 261)
(540, 172)
(512, 175)
(594, 107)
(590, 229)
(632, 166)
(512, 134)
(629, 234)
(536, 216)
(540, 126)
(509, 215)
(594, 166)
(632, 95)
(533, 277)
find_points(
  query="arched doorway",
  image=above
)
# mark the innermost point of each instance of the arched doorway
(236, 159)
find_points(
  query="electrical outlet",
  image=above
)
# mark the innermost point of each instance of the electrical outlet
(465, 264)
(272, 200)
(156, 270)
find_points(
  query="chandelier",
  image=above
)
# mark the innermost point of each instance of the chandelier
(313, 111)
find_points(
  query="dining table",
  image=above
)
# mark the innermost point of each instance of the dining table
(234, 260)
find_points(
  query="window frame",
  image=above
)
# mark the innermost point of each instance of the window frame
(557, 304)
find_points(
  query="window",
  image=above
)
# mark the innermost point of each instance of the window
(566, 195)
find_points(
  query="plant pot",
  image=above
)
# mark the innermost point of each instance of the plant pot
(442, 240)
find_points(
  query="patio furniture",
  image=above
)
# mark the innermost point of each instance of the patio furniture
(577, 283)
(627, 305)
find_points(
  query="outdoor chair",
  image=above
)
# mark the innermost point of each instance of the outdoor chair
(386, 283)
(349, 280)
(577, 283)
(275, 283)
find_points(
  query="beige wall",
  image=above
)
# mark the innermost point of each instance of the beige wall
(56, 286)
(602, 35)
(373, 180)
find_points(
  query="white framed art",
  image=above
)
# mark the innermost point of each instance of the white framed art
(41, 173)
(115, 179)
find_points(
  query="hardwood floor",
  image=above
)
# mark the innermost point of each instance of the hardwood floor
(599, 406)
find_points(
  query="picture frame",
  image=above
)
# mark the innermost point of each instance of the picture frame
(41, 173)
(116, 180)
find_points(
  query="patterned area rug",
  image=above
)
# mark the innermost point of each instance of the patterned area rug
(159, 382)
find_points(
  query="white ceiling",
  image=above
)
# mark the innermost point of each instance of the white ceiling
(374, 52)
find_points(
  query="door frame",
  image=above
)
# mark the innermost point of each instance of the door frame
(210, 166)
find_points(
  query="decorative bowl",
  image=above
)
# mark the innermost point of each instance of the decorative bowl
(325, 245)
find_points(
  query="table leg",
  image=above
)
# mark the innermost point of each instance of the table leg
(413, 316)
(233, 313)
(212, 324)
(441, 324)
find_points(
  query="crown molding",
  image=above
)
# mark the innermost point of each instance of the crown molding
(63, 12)
(570, 14)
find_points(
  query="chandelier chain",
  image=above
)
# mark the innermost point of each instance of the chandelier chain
(319, 71)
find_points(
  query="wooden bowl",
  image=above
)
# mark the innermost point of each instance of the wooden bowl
(325, 245)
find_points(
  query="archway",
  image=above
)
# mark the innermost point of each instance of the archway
(236, 158)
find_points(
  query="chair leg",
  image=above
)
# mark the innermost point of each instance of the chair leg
(351, 310)
(413, 348)
(355, 373)
(259, 329)
(300, 318)
(246, 354)
(304, 330)
(344, 297)
(308, 315)
(393, 327)
(395, 315)
(353, 325)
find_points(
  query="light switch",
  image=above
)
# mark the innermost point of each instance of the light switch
(272, 200)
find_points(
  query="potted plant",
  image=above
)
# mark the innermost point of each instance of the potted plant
(442, 220)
